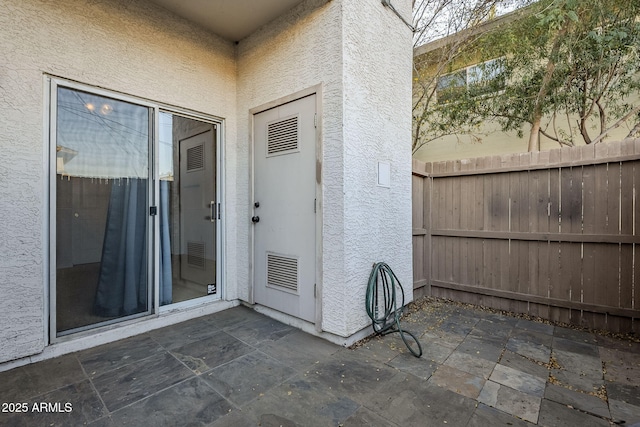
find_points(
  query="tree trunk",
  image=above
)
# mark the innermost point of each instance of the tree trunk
(534, 136)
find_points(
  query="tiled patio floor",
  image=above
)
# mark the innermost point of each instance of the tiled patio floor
(239, 368)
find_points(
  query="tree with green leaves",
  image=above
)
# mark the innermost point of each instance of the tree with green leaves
(458, 23)
(569, 70)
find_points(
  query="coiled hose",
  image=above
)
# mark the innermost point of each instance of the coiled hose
(385, 315)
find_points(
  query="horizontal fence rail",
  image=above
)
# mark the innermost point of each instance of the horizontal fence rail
(553, 234)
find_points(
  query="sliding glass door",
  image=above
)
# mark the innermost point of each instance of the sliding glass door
(188, 186)
(102, 190)
(135, 211)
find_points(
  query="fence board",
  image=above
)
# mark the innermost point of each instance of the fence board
(551, 233)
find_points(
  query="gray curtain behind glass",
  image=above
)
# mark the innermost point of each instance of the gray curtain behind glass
(122, 283)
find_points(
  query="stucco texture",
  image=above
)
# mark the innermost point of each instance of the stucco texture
(361, 54)
(128, 46)
(299, 50)
(377, 127)
(357, 50)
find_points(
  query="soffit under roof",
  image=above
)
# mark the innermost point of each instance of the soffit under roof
(231, 19)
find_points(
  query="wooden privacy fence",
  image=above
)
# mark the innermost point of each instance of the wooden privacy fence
(553, 234)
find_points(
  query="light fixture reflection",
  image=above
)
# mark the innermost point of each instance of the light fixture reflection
(106, 109)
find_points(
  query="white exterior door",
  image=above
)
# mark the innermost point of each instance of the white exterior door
(198, 209)
(284, 208)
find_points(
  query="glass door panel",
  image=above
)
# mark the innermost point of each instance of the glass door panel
(188, 208)
(102, 210)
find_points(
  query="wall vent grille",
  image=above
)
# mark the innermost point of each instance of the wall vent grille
(195, 158)
(282, 137)
(195, 254)
(282, 272)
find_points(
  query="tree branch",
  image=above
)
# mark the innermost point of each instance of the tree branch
(617, 124)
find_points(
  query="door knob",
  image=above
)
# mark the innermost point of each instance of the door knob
(255, 219)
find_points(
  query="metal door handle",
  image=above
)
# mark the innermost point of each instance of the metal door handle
(212, 207)
(255, 219)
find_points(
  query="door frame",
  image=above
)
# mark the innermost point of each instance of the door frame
(218, 146)
(51, 83)
(317, 91)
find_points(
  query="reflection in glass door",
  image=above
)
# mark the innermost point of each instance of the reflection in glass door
(102, 209)
(188, 184)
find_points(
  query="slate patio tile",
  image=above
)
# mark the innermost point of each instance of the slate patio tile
(476, 366)
(496, 339)
(511, 401)
(377, 383)
(175, 336)
(586, 349)
(234, 418)
(587, 366)
(28, 381)
(258, 330)
(104, 358)
(300, 402)
(232, 317)
(246, 377)
(299, 350)
(138, 380)
(84, 407)
(436, 350)
(624, 392)
(575, 335)
(102, 422)
(533, 336)
(460, 325)
(219, 348)
(624, 413)
(618, 344)
(480, 348)
(486, 327)
(518, 380)
(346, 374)
(587, 384)
(553, 414)
(409, 401)
(380, 348)
(538, 352)
(457, 381)
(421, 320)
(441, 339)
(421, 367)
(534, 326)
(581, 401)
(273, 420)
(497, 318)
(523, 364)
(366, 418)
(485, 416)
(191, 402)
(621, 366)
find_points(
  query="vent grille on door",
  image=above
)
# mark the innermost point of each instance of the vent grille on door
(195, 158)
(195, 254)
(282, 137)
(282, 271)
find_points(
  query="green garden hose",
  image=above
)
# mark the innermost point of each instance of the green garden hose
(384, 314)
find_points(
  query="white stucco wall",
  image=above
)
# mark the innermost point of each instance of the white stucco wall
(361, 53)
(128, 46)
(377, 127)
(299, 50)
(357, 49)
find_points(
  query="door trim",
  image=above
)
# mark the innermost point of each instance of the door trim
(313, 90)
(197, 305)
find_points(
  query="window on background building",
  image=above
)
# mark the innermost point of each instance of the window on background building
(478, 79)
